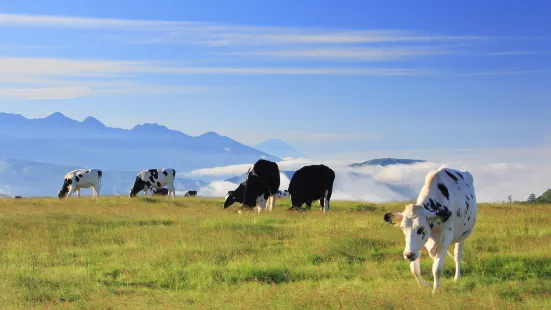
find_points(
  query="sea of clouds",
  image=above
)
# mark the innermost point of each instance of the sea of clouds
(494, 181)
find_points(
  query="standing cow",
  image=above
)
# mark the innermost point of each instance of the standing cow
(154, 179)
(81, 178)
(444, 214)
(283, 194)
(309, 183)
(190, 193)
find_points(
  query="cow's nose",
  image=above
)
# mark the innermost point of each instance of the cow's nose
(409, 256)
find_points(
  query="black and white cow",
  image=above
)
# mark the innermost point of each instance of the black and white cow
(309, 183)
(261, 185)
(237, 195)
(444, 214)
(160, 192)
(154, 179)
(283, 194)
(81, 178)
(190, 193)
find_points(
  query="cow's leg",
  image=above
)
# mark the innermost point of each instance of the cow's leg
(458, 257)
(71, 190)
(97, 188)
(415, 268)
(263, 203)
(272, 203)
(327, 200)
(95, 192)
(325, 204)
(78, 192)
(171, 190)
(438, 265)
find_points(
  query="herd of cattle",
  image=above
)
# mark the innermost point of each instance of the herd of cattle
(444, 214)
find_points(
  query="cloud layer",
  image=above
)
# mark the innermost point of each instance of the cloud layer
(493, 181)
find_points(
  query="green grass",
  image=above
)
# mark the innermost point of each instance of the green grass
(191, 253)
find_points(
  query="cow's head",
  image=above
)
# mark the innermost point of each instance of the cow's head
(416, 223)
(139, 185)
(64, 188)
(235, 195)
(230, 199)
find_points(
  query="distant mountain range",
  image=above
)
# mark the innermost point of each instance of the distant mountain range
(60, 140)
(278, 147)
(28, 178)
(387, 162)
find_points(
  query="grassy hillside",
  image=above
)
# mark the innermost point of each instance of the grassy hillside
(193, 254)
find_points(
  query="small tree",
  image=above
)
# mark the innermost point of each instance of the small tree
(532, 198)
(510, 198)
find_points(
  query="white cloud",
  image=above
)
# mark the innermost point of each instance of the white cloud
(224, 35)
(350, 53)
(216, 189)
(519, 53)
(46, 93)
(493, 180)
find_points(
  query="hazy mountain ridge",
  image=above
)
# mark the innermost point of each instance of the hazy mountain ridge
(61, 140)
(279, 148)
(387, 162)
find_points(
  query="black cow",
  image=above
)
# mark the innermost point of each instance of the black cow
(262, 183)
(311, 183)
(190, 193)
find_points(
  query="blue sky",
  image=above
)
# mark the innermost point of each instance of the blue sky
(329, 77)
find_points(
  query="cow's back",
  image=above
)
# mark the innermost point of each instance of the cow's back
(269, 173)
(458, 186)
(312, 181)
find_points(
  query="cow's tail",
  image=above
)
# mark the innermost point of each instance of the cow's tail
(100, 175)
(451, 255)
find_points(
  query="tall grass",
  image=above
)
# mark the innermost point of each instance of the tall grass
(191, 253)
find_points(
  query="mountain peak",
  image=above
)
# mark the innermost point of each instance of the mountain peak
(150, 126)
(277, 147)
(56, 115)
(93, 122)
(210, 134)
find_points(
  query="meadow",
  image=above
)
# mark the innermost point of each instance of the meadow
(192, 254)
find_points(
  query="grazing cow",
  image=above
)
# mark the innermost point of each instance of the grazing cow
(237, 196)
(261, 185)
(154, 179)
(17, 197)
(160, 192)
(311, 183)
(444, 214)
(190, 193)
(283, 194)
(81, 178)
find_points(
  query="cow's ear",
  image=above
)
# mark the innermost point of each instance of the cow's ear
(394, 218)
